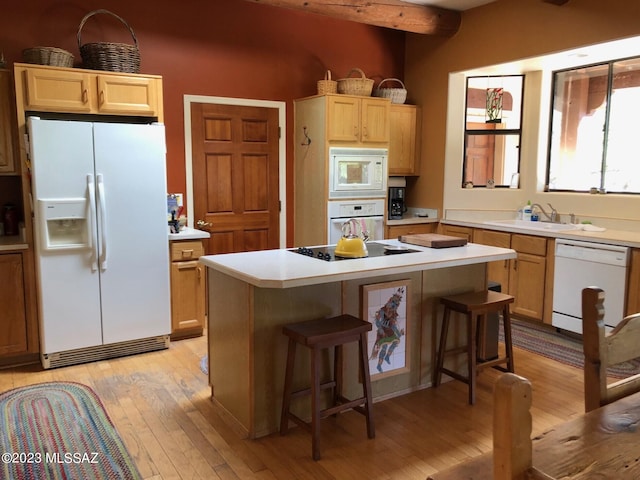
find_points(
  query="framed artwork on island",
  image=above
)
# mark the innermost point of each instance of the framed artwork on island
(384, 305)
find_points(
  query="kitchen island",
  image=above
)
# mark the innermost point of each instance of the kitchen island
(252, 295)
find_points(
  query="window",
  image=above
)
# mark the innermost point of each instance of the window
(492, 131)
(594, 128)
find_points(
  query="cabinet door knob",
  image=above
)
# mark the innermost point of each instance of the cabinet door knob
(202, 224)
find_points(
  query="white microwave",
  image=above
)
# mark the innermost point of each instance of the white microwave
(357, 172)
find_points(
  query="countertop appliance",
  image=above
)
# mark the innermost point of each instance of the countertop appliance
(396, 202)
(327, 253)
(102, 257)
(369, 212)
(581, 264)
(357, 172)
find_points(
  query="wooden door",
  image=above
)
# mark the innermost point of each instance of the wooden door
(235, 176)
(480, 155)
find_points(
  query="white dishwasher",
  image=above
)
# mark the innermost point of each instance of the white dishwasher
(579, 265)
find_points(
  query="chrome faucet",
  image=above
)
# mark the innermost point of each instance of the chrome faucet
(552, 217)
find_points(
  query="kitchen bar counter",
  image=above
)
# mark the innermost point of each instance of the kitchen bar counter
(285, 268)
(252, 295)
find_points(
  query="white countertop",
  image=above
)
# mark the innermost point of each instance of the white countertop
(610, 237)
(283, 268)
(188, 233)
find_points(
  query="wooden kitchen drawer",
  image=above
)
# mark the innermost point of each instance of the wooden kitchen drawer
(186, 250)
(529, 244)
(493, 238)
(394, 231)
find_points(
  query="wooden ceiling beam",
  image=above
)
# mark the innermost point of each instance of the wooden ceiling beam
(395, 14)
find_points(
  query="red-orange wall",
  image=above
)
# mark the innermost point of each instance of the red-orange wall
(227, 48)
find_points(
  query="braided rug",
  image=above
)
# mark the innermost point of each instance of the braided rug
(564, 348)
(60, 430)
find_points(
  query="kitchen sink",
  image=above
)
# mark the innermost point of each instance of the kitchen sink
(539, 226)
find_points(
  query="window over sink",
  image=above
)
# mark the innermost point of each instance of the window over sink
(493, 122)
(593, 131)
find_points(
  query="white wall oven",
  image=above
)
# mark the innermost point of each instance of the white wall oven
(357, 172)
(370, 214)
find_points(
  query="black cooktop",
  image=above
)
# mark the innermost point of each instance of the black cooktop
(328, 253)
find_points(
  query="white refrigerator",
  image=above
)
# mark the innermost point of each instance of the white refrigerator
(99, 202)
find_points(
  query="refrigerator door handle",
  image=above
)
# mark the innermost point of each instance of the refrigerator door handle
(103, 222)
(92, 234)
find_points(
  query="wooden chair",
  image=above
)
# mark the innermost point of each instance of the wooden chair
(512, 456)
(602, 350)
(512, 447)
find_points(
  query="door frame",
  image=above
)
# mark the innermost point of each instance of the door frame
(282, 151)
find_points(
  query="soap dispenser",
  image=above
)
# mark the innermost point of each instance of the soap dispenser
(526, 211)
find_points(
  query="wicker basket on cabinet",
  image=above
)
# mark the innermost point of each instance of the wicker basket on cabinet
(327, 85)
(113, 57)
(52, 56)
(356, 86)
(396, 95)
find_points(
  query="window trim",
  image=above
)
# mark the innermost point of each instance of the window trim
(501, 132)
(554, 85)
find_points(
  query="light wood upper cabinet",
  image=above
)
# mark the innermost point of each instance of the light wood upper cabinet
(404, 139)
(7, 155)
(124, 94)
(53, 89)
(357, 119)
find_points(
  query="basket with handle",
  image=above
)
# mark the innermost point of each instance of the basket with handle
(53, 56)
(397, 95)
(113, 57)
(327, 85)
(356, 86)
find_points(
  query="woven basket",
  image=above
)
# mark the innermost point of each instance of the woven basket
(327, 85)
(397, 95)
(356, 86)
(113, 57)
(55, 57)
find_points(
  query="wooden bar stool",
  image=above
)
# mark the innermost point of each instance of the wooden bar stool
(318, 335)
(475, 305)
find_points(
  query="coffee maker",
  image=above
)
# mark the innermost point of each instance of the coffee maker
(397, 205)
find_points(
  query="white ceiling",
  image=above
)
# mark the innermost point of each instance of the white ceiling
(452, 4)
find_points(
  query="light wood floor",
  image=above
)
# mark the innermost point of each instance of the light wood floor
(160, 404)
